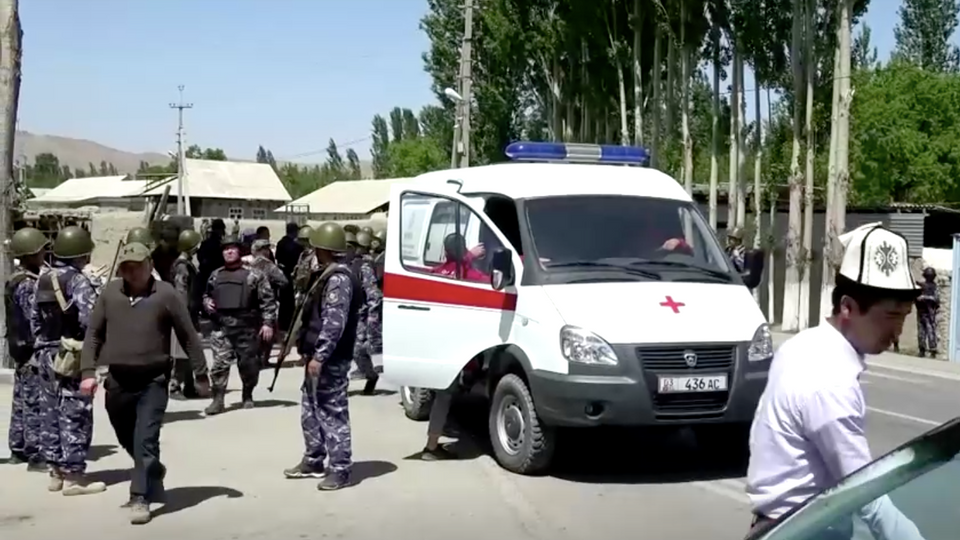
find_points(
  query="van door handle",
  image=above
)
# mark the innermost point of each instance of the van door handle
(414, 308)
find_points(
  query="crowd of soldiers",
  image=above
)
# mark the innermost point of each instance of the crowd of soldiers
(321, 291)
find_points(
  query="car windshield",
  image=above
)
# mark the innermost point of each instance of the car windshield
(909, 494)
(639, 237)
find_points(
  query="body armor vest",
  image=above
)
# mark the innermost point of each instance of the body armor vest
(232, 293)
(312, 321)
(19, 336)
(57, 323)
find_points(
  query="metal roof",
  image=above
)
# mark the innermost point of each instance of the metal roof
(530, 180)
(348, 197)
(39, 192)
(77, 190)
(210, 179)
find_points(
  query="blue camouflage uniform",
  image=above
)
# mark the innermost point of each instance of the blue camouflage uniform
(324, 415)
(67, 414)
(368, 325)
(25, 418)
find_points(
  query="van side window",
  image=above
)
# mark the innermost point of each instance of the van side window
(436, 241)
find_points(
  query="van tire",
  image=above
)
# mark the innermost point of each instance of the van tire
(535, 451)
(416, 403)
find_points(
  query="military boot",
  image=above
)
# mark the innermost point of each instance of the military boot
(370, 387)
(81, 484)
(247, 398)
(37, 465)
(56, 480)
(216, 406)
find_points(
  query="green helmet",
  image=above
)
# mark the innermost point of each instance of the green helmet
(141, 235)
(351, 228)
(230, 240)
(368, 230)
(329, 236)
(72, 242)
(27, 241)
(364, 238)
(350, 237)
(381, 235)
(188, 241)
(304, 232)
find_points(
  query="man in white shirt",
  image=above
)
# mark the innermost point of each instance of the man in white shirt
(808, 432)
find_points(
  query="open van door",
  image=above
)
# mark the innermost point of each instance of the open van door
(440, 308)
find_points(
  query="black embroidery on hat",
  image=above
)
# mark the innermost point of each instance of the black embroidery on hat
(886, 258)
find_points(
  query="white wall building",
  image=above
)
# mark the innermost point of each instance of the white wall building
(103, 192)
(345, 200)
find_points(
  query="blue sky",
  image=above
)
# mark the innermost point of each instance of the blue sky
(288, 74)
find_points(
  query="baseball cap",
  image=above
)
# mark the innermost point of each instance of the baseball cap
(876, 257)
(133, 252)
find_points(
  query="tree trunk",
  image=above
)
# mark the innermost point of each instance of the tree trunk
(671, 81)
(685, 53)
(831, 254)
(734, 181)
(791, 287)
(715, 143)
(624, 126)
(556, 124)
(757, 173)
(10, 54)
(843, 130)
(637, 73)
(772, 232)
(808, 199)
(741, 147)
(657, 97)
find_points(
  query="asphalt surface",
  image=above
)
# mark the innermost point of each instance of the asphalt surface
(225, 478)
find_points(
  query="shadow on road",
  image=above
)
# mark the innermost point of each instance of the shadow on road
(100, 451)
(182, 498)
(265, 404)
(110, 477)
(179, 416)
(615, 455)
(368, 470)
(359, 392)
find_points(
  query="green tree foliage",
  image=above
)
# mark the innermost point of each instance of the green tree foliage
(353, 165)
(47, 172)
(266, 156)
(214, 154)
(411, 157)
(924, 32)
(419, 143)
(378, 147)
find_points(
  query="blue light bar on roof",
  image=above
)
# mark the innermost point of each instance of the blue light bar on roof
(577, 153)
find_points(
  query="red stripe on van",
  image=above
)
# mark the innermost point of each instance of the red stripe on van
(404, 287)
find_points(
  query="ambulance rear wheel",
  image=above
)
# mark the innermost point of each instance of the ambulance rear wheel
(520, 442)
(416, 403)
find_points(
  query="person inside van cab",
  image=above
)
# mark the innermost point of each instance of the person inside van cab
(456, 254)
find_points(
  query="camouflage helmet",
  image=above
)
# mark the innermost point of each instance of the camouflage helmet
(188, 241)
(350, 237)
(735, 233)
(364, 238)
(304, 232)
(72, 242)
(329, 236)
(140, 235)
(368, 230)
(229, 241)
(27, 241)
(351, 228)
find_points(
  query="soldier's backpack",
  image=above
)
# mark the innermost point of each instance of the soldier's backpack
(20, 350)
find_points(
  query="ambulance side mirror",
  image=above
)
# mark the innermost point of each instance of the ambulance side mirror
(753, 261)
(501, 266)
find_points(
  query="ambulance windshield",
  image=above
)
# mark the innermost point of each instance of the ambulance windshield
(662, 239)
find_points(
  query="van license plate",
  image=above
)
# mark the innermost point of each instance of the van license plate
(704, 383)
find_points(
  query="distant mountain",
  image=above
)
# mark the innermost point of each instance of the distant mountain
(81, 152)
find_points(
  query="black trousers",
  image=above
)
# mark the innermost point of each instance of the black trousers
(136, 400)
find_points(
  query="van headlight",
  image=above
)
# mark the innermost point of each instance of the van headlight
(585, 347)
(761, 346)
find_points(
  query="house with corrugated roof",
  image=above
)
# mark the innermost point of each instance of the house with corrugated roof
(345, 200)
(103, 192)
(224, 189)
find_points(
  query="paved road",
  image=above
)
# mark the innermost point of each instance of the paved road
(225, 480)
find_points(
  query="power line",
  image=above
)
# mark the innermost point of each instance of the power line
(324, 150)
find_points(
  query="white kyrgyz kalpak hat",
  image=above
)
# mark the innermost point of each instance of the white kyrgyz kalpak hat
(876, 257)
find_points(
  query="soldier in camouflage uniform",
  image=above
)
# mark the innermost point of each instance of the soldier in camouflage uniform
(64, 301)
(370, 308)
(375, 329)
(29, 246)
(260, 261)
(184, 277)
(143, 236)
(306, 266)
(243, 310)
(327, 337)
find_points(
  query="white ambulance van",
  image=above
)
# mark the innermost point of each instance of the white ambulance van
(575, 293)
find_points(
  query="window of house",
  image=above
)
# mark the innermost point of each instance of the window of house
(235, 212)
(259, 213)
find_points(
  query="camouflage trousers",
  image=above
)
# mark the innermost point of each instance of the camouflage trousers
(361, 353)
(67, 418)
(235, 345)
(325, 419)
(26, 421)
(927, 330)
(374, 329)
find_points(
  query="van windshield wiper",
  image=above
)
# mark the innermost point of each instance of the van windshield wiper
(682, 265)
(609, 266)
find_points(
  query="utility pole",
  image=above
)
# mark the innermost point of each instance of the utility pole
(183, 194)
(466, 83)
(11, 39)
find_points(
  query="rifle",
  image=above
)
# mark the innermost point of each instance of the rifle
(290, 338)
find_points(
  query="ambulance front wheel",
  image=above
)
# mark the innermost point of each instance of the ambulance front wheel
(416, 403)
(521, 443)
